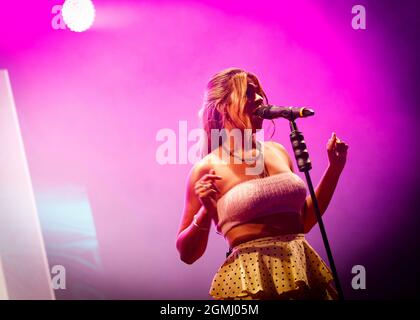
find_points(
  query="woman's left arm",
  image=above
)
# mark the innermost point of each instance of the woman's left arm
(337, 155)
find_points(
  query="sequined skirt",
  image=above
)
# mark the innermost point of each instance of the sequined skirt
(279, 267)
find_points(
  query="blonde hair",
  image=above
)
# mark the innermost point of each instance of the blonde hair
(224, 102)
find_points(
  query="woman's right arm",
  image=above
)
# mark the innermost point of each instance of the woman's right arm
(192, 239)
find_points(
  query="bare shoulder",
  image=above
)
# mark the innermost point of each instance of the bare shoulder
(276, 145)
(201, 167)
(279, 147)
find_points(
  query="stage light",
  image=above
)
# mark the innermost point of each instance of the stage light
(78, 15)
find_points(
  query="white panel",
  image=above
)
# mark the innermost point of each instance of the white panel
(22, 251)
(3, 287)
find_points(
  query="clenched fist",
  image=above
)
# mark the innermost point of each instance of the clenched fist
(337, 152)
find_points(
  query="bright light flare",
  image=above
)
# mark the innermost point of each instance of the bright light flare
(78, 15)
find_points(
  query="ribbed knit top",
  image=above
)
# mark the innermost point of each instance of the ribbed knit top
(276, 194)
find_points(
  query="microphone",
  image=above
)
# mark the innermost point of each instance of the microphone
(290, 113)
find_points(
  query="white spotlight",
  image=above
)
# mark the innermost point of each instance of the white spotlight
(78, 14)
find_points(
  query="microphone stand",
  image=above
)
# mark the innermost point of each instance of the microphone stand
(304, 165)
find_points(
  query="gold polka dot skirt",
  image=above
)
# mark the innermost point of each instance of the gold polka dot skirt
(279, 267)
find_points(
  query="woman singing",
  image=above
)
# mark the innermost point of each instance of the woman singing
(264, 216)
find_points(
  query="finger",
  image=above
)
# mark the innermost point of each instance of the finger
(337, 139)
(331, 142)
(341, 153)
(344, 143)
(208, 176)
(213, 194)
(204, 188)
(206, 185)
(199, 185)
(200, 191)
(207, 193)
(213, 184)
(342, 149)
(342, 146)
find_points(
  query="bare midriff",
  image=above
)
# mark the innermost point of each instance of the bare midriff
(268, 226)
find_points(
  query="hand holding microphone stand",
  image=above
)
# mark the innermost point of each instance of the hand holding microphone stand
(304, 165)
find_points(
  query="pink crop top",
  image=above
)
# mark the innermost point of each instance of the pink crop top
(281, 194)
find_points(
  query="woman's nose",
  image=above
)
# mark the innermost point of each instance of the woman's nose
(258, 99)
